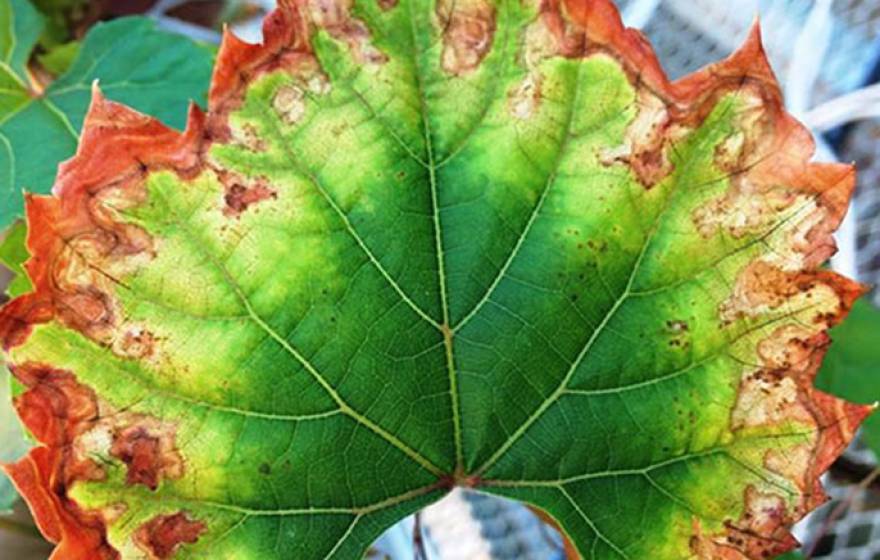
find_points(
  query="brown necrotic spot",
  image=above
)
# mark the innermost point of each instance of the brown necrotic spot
(162, 536)
(240, 194)
(468, 30)
(239, 197)
(387, 4)
(134, 342)
(147, 447)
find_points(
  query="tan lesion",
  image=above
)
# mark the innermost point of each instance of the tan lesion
(646, 140)
(776, 396)
(761, 531)
(90, 265)
(335, 16)
(762, 287)
(759, 200)
(540, 41)
(468, 30)
(134, 341)
(649, 135)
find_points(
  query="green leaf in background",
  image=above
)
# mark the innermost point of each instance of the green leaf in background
(136, 63)
(852, 366)
(13, 254)
(13, 443)
(59, 59)
(20, 26)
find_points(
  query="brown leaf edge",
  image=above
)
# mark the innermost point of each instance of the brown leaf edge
(119, 147)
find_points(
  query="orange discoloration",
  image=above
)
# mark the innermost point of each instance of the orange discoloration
(468, 30)
(74, 427)
(56, 409)
(762, 287)
(77, 534)
(162, 536)
(80, 246)
(285, 46)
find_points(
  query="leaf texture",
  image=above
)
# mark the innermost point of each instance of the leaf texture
(152, 70)
(413, 245)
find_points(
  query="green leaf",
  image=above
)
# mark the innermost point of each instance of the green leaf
(850, 370)
(59, 59)
(13, 255)
(424, 244)
(149, 69)
(13, 443)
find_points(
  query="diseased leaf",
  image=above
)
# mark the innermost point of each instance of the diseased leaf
(413, 245)
(13, 254)
(13, 443)
(149, 69)
(850, 369)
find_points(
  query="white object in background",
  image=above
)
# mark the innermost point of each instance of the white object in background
(806, 61)
(252, 29)
(449, 533)
(453, 530)
(858, 105)
(639, 12)
(397, 542)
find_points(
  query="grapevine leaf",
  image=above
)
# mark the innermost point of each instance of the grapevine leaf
(58, 60)
(850, 368)
(138, 64)
(415, 245)
(13, 254)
